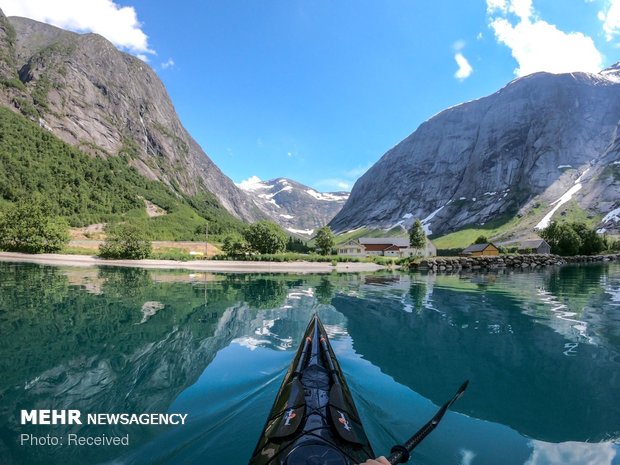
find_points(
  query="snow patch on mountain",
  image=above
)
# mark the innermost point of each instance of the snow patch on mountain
(305, 232)
(613, 215)
(297, 208)
(328, 196)
(561, 201)
(426, 222)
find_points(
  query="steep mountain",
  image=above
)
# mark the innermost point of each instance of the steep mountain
(86, 190)
(107, 103)
(297, 208)
(545, 145)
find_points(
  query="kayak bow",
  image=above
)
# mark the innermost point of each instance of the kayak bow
(313, 419)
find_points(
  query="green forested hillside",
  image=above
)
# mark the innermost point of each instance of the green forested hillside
(85, 189)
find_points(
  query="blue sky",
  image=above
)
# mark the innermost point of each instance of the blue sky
(318, 91)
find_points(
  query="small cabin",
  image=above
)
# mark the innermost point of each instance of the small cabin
(539, 246)
(479, 250)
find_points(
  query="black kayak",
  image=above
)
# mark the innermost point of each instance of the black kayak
(313, 420)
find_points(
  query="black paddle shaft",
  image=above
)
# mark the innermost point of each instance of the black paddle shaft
(400, 453)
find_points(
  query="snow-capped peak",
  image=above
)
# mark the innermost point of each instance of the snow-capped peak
(297, 208)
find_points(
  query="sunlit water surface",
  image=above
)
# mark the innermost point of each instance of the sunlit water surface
(541, 350)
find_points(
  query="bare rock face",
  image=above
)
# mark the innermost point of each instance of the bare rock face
(297, 208)
(512, 153)
(107, 102)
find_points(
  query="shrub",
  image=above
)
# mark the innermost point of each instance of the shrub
(26, 227)
(481, 240)
(125, 241)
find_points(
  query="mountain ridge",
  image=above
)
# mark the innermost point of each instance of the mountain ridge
(107, 102)
(296, 207)
(513, 153)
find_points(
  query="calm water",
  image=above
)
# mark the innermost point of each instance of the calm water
(542, 351)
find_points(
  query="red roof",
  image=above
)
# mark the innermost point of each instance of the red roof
(377, 247)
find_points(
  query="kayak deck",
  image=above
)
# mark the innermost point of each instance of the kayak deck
(313, 419)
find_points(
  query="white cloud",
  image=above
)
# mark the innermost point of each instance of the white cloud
(495, 5)
(571, 453)
(465, 68)
(521, 8)
(610, 17)
(167, 64)
(251, 184)
(118, 24)
(537, 45)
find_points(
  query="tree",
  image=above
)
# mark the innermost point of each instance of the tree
(325, 291)
(235, 245)
(591, 242)
(481, 240)
(562, 239)
(295, 244)
(27, 227)
(324, 240)
(265, 237)
(573, 239)
(417, 237)
(125, 241)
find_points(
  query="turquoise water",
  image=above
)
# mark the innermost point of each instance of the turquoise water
(541, 351)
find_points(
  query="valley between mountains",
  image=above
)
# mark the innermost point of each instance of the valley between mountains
(94, 131)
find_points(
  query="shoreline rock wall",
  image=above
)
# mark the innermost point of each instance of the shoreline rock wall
(531, 261)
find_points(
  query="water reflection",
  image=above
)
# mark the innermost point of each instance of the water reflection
(518, 367)
(541, 350)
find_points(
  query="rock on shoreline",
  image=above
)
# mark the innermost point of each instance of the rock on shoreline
(531, 261)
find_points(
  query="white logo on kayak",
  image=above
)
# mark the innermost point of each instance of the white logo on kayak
(343, 421)
(289, 416)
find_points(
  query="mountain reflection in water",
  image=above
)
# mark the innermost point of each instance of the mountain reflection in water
(542, 351)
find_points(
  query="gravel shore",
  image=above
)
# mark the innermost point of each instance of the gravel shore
(198, 265)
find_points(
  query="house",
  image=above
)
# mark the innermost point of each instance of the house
(429, 250)
(539, 246)
(352, 249)
(478, 250)
(395, 247)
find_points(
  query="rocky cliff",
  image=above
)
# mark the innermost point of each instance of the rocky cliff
(297, 208)
(543, 141)
(106, 102)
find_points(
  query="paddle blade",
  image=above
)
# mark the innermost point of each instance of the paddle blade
(293, 412)
(344, 424)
